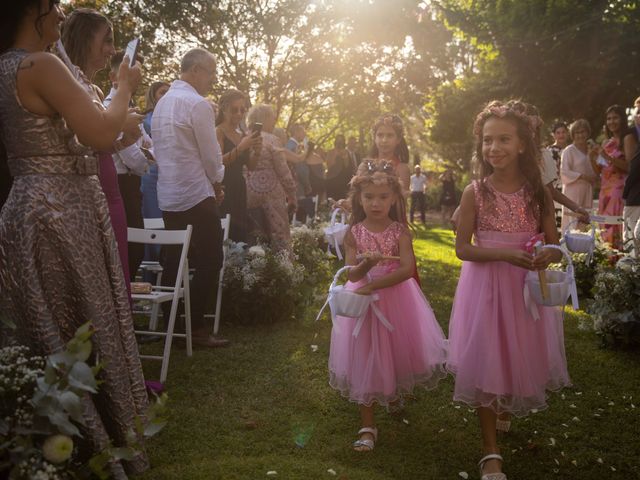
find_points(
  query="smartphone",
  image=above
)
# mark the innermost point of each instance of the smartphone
(256, 128)
(132, 51)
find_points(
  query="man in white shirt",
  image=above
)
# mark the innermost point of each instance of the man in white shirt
(418, 186)
(190, 170)
(131, 158)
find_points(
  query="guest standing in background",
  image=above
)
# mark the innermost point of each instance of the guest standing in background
(190, 170)
(271, 190)
(132, 159)
(613, 172)
(448, 197)
(418, 187)
(87, 36)
(576, 173)
(240, 150)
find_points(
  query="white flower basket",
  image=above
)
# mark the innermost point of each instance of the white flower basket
(335, 232)
(347, 303)
(560, 285)
(579, 242)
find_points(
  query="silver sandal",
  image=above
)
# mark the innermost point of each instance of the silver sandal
(491, 476)
(367, 443)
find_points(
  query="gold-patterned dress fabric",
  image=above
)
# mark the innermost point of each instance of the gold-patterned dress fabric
(59, 263)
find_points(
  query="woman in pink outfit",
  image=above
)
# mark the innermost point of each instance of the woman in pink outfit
(398, 344)
(613, 172)
(576, 173)
(503, 359)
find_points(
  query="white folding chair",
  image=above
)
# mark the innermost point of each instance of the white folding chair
(153, 223)
(225, 223)
(162, 294)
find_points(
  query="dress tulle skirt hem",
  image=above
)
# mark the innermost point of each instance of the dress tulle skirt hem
(380, 364)
(501, 356)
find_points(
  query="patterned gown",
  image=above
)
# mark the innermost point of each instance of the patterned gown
(59, 264)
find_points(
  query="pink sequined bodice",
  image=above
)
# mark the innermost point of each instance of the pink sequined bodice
(503, 212)
(385, 243)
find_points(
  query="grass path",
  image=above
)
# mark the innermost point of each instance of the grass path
(264, 404)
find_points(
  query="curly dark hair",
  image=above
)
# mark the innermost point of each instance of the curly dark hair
(528, 124)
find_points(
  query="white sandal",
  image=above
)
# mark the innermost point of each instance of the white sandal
(491, 476)
(503, 425)
(367, 443)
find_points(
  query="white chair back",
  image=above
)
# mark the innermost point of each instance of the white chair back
(153, 223)
(173, 294)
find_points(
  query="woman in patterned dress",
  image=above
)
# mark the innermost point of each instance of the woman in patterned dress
(59, 264)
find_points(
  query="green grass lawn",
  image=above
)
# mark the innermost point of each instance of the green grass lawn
(264, 404)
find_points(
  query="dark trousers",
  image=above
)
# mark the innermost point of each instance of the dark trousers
(129, 186)
(205, 256)
(418, 200)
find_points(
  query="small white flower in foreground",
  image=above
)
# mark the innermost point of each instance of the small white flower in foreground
(257, 250)
(57, 448)
(331, 471)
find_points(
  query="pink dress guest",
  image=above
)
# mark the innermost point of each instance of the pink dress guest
(610, 201)
(502, 358)
(379, 364)
(574, 163)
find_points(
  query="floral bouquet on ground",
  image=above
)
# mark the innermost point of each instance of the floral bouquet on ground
(41, 412)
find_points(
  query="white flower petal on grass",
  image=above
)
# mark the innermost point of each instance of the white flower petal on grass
(405, 421)
(557, 461)
(562, 396)
(272, 473)
(575, 419)
(331, 471)
(566, 435)
(572, 406)
(314, 348)
(600, 461)
(611, 404)
(552, 442)
(578, 393)
(562, 453)
(464, 475)
(564, 425)
(613, 469)
(464, 419)
(441, 430)
(574, 462)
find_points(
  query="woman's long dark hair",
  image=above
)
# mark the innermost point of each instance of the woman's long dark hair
(529, 161)
(12, 15)
(395, 122)
(77, 32)
(624, 126)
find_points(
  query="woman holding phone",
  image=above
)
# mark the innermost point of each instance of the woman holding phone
(271, 190)
(239, 150)
(59, 265)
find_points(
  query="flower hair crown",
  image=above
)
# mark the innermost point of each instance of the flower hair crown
(390, 120)
(512, 108)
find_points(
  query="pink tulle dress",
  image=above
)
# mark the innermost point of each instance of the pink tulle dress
(379, 364)
(501, 356)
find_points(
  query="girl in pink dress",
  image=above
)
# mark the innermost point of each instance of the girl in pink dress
(613, 174)
(397, 344)
(504, 360)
